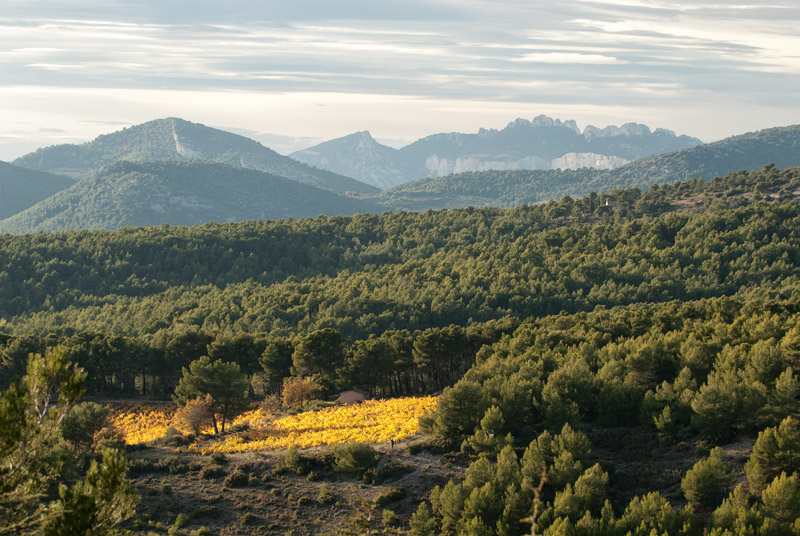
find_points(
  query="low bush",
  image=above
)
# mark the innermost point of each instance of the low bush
(390, 495)
(212, 471)
(325, 495)
(294, 461)
(174, 465)
(237, 479)
(354, 458)
(218, 458)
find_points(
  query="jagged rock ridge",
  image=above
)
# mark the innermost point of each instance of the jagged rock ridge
(541, 143)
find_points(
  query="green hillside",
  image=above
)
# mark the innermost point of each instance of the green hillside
(504, 189)
(177, 193)
(21, 188)
(752, 151)
(176, 139)
(617, 364)
(369, 273)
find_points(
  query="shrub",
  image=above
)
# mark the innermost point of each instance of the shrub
(249, 519)
(166, 487)
(211, 472)
(325, 495)
(173, 465)
(173, 438)
(293, 461)
(181, 521)
(389, 518)
(83, 422)
(140, 467)
(108, 438)
(219, 458)
(237, 479)
(196, 414)
(354, 458)
(389, 495)
(207, 511)
(297, 392)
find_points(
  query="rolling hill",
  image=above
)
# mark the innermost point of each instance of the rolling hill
(21, 188)
(178, 193)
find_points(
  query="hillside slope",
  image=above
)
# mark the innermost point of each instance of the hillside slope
(176, 139)
(751, 151)
(178, 193)
(21, 188)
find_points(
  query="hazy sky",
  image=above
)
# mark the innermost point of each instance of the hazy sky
(292, 73)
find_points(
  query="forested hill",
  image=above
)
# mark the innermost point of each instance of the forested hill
(367, 274)
(177, 139)
(752, 151)
(21, 188)
(178, 193)
(779, 145)
(493, 188)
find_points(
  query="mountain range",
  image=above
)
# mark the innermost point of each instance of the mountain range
(176, 139)
(543, 143)
(176, 172)
(751, 151)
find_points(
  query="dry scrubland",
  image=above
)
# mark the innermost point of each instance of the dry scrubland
(244, 482)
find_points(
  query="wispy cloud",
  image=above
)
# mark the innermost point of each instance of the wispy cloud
(703, 68)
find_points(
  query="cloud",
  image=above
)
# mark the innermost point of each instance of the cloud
(568, 57)
(462, 64)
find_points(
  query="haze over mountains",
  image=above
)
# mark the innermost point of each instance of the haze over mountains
(21, 187)
(177, 172)
(751, 151)
(176, 139)
(543, 143)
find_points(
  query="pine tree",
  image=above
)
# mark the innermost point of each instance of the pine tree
(706, 484)
(775, 450)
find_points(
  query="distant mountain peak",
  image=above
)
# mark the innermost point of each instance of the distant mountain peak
(540, 143)
(173, 138)
(542, 120)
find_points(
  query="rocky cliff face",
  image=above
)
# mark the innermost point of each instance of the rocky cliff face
(587, 160)
(541, 143)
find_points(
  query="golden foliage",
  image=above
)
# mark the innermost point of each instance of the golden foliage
(140, 423)
(373, 421)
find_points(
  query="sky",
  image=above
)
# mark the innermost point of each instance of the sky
(293, 73)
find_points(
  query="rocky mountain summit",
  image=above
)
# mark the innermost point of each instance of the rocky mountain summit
(541, 143)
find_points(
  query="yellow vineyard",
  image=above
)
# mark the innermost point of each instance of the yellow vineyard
(374, 421)
(140, 423)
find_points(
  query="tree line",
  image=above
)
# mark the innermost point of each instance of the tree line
(398, 362)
